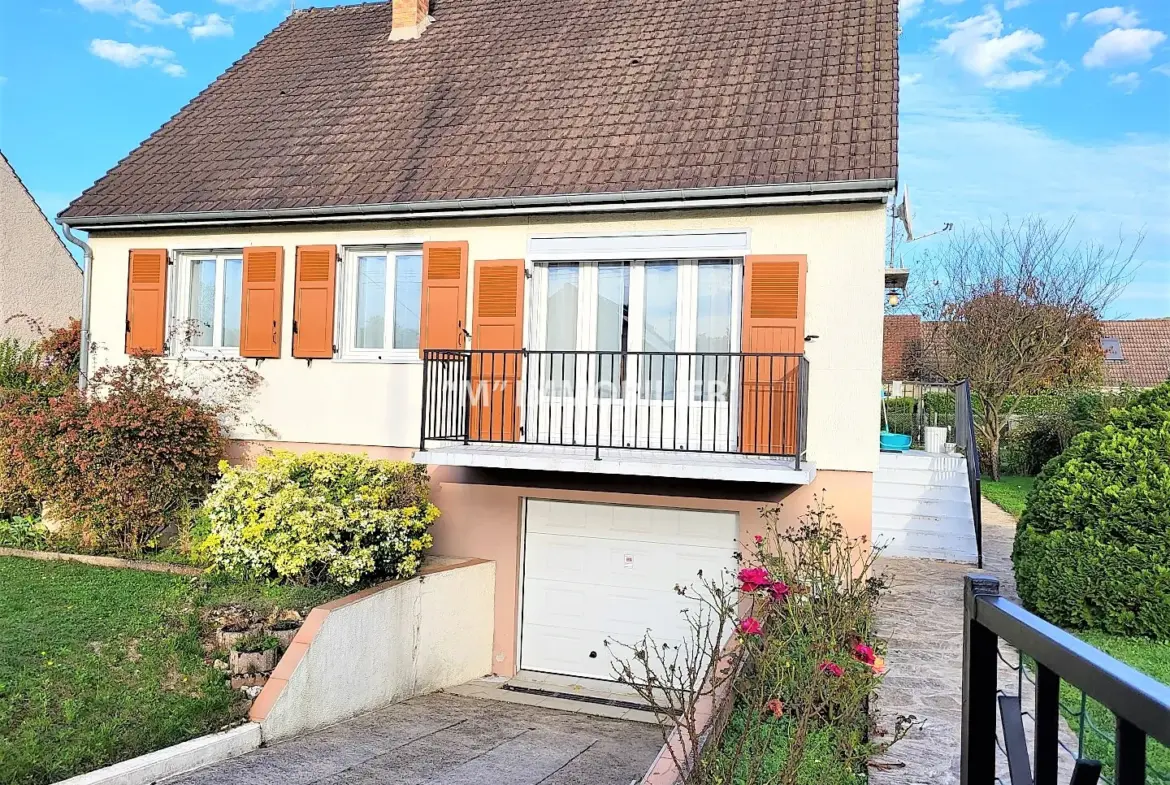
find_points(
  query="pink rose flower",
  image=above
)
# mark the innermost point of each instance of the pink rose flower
(759, 539)
(753, 578)
(775, 707)
(749, 626)
(864, 653)
(779, 590)
(831, 668)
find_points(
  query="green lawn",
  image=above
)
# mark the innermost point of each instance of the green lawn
(1146, 656)
(99, 665)
(1010, 493)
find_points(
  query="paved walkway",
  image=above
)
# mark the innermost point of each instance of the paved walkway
(922, 619)
(452, 740)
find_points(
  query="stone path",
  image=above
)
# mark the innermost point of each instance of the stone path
(922, 620)
(442, 739)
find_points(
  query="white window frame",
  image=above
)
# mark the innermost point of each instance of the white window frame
(179, 303)
(346, 309)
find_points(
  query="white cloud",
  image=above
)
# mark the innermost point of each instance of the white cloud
(907, 9)
(142, 12)
(1163, 69)
(1123, 46)
(966, 160)
(1070, 19)
(1112, 16)
(1011, 5)
(905, 80)
(979, 46)
(134, 56)
(1126, 83)
(213, 25)
(255, 5)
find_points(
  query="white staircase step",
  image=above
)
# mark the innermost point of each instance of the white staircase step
(921, 477)
(925, 508)
(925, 545)
(916, 459)
(900, 522)
(890, 489)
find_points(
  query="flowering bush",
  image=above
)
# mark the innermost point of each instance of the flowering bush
(319, 517)
(800, 675)
(124, 460)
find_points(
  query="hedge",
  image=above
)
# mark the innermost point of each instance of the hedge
(1092, 550)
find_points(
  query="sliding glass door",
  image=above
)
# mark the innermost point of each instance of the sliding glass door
(635, 353)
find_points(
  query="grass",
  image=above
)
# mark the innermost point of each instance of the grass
(98, 665)
(1150, 657)
(1010, 493)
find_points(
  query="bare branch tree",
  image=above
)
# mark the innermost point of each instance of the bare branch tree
(1014, 307)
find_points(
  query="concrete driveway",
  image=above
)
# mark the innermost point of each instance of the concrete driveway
(450, 740)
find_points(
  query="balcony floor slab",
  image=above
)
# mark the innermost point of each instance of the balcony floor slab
(644, 463)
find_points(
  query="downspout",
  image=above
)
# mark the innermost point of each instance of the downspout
(86, 284)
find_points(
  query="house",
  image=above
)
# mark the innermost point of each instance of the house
(38, 277)
(614, 271)
(1137, 352)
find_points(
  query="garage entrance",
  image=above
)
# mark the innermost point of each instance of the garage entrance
(597, 571)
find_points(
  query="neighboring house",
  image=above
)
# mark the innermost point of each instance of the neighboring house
(1137, 352)
(616, 267)
(38, 277)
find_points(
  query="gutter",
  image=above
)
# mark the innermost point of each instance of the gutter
(86, 285)
(634, 201)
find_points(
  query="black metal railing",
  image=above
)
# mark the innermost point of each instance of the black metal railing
(1140, 704)
(742, 403)
(966, 441)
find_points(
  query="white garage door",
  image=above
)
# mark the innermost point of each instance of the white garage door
(597, 571)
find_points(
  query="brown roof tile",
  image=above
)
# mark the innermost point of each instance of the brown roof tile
(509, 98)
(1145, 352)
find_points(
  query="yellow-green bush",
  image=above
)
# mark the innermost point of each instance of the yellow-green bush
(319, 517)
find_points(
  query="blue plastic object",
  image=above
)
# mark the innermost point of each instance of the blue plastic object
(897, 442)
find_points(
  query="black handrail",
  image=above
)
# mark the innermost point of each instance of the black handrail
(1141, 704)
(747, 403)
(967, 441)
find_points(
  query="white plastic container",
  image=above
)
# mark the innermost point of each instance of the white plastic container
(936, 438)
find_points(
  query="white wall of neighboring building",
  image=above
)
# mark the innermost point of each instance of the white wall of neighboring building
(362, 403)
(38, 276)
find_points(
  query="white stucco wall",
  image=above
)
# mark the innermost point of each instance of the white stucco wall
(418, 636)
(38, 276)
(335, 402)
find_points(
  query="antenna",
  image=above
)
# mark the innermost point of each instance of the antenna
(903, 212)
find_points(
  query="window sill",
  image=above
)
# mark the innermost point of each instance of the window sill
(412, 359)
(206, 356)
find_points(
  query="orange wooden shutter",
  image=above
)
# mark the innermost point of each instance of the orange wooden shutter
(497, 328)
(773, 322)
(146, 302)
(444, 296)
(260, 304)
(313, 300)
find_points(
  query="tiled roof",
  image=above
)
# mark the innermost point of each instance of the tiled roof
(517, 98)
(900, 347)
(1145, 352)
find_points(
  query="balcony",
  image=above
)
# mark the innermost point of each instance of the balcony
(737, 416)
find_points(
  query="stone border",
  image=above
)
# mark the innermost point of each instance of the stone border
(104, 561)
(174, 760)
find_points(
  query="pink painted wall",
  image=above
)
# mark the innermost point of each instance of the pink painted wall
(483, 520)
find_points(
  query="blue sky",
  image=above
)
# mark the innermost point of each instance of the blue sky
(1013, 108)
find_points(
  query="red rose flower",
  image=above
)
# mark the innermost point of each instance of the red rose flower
(749, 626)
(753, 578)
(831, 668)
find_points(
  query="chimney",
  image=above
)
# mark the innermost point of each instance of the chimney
(409, 18)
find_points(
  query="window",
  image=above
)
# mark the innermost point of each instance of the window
(382, 295)
(206, 303)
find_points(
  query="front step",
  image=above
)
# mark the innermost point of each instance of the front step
(948, 491)
(957, 509)
(916, 459)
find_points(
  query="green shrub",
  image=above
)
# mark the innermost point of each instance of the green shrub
(318, 517)
(23, 531)
(1092, 549)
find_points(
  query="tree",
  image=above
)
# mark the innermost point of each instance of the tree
(1014, 308)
